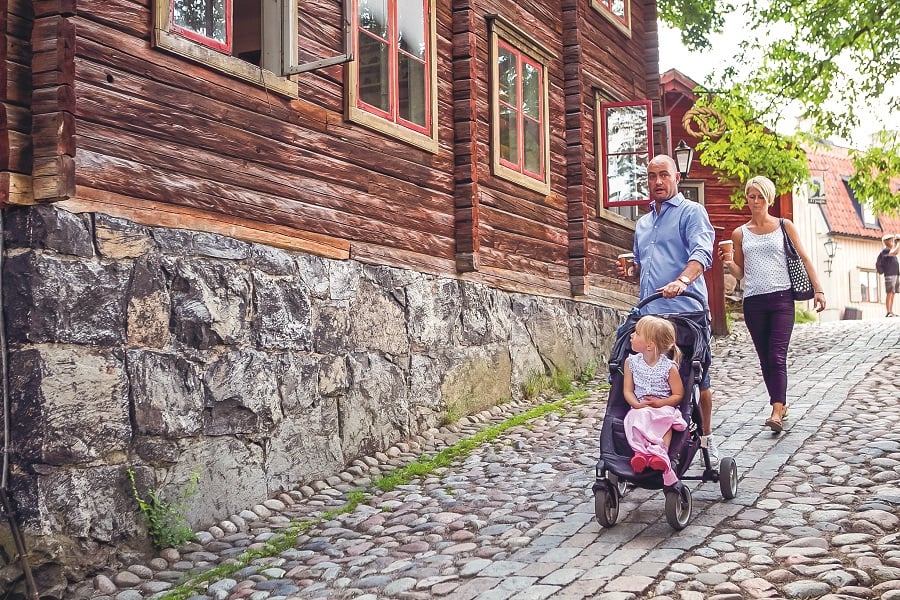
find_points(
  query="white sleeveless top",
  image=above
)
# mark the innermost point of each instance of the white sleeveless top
(765, 264)
(650, 381)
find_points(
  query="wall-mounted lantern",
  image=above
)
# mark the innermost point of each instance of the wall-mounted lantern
(830, 250)
(684, 155)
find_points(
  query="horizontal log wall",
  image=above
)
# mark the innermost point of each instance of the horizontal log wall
(206, 143)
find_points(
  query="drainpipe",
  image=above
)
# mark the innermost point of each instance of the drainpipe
(8, 510)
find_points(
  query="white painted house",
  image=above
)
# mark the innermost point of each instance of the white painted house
(832, 220)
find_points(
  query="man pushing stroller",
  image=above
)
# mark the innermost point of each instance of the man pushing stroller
(672, 248)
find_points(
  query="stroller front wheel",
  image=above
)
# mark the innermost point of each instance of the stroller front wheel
(620, 485)
(678, 507)
(606, 505)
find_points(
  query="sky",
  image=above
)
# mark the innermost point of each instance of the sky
(697, 65)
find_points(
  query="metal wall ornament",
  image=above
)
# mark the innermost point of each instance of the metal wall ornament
(709, 122)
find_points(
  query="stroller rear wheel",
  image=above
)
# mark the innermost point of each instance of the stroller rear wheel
(678, 507)
(728, 479)
(606, 504)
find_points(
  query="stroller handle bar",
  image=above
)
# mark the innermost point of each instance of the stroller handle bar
(698, 299)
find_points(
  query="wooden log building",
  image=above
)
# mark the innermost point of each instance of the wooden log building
(462, 137)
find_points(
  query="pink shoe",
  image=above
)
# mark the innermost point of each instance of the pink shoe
(658, 464)
(639, 463)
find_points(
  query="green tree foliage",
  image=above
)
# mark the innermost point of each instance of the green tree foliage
(829, 60)
(695, 19)
(874, 170)
(747, 149)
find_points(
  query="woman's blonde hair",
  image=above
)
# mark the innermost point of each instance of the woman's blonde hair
(765, 187)
(661, 333)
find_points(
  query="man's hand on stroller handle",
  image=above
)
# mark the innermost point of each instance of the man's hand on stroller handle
(680, 284)
(672, 289)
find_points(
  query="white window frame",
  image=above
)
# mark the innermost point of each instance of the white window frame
(664, 125)
(869, 218)
(698, 187)
(601, 108)
(870, 276)
(622, 23)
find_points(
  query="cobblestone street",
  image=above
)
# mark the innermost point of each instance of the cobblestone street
(817, 514)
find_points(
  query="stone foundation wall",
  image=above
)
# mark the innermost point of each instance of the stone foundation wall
(171, 352)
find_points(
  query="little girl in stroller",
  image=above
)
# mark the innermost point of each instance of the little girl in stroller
(653, 388)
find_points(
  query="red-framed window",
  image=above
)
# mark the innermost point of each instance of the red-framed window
(393, 61)
(520, 108)
(249, 40)
(618, 11)
(626, 142)
(208, 22)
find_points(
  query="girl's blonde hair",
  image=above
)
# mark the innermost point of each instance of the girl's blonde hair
(659, 332)
(765, 187)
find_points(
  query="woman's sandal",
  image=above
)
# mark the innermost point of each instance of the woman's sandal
(774, 424)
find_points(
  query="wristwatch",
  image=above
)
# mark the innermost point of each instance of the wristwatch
(685, 280)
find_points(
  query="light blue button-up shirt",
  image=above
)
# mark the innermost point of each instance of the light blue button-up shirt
(663, 245)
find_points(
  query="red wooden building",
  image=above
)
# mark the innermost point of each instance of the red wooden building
(461, 138)
(678, 96)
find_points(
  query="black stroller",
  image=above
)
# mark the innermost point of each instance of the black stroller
(614, 472)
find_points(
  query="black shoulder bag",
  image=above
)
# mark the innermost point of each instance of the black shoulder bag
(801, 286)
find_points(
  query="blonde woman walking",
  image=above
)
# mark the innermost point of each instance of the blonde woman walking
(759, 259)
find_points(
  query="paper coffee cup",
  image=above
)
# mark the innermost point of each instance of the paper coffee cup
(625, 260)
(727, 247)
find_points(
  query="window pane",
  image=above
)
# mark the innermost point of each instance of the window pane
(626, 129)
(374, 82)
(532, 146)
(412, 90)
(627, 175)
(868, 286)
(206, 17)
(869, 218)
(373, 17)
(508, 134)
(411, 26)
(506, 68)
(531, 91)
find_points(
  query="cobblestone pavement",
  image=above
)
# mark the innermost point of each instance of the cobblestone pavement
(816, 515)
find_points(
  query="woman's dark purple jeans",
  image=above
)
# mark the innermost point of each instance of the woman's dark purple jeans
(770, 320)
